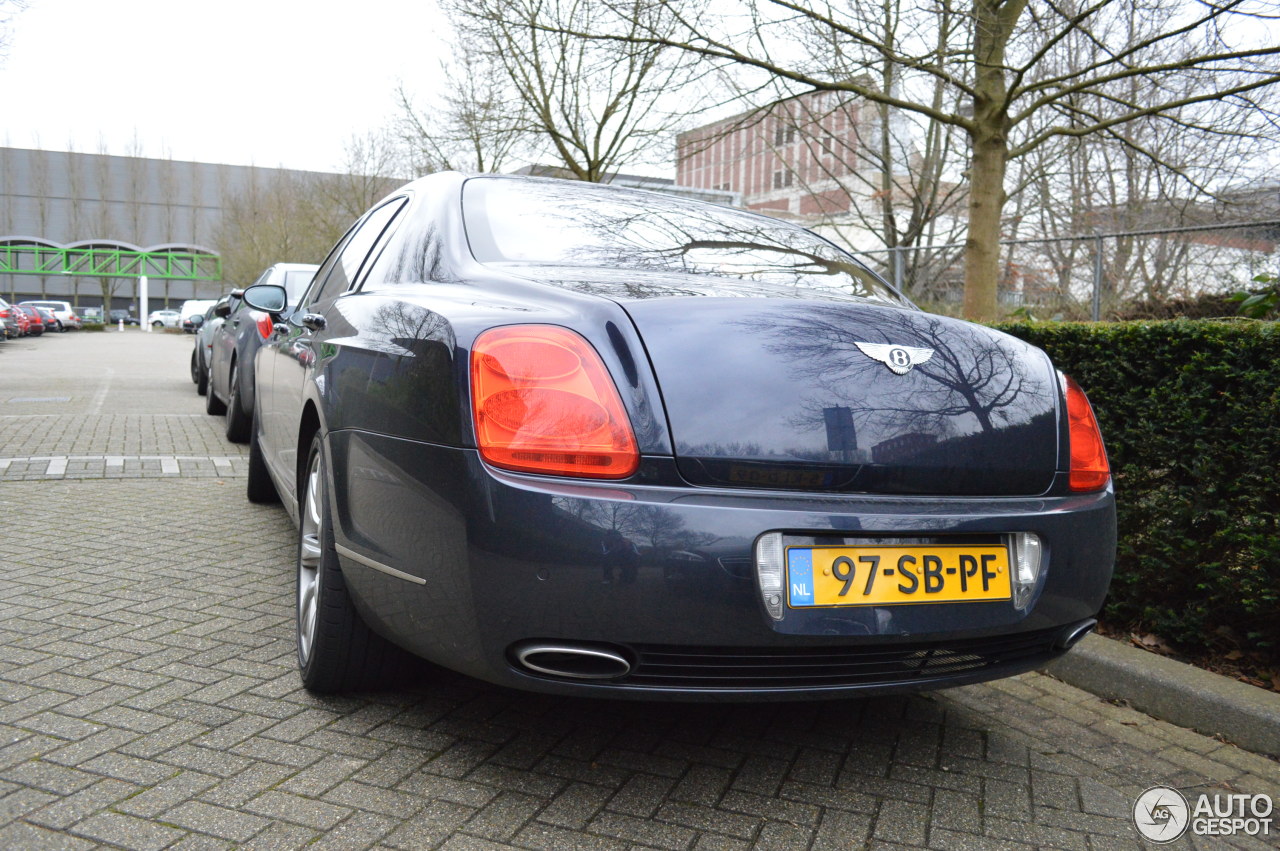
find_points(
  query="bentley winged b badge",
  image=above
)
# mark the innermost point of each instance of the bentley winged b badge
(900, 359)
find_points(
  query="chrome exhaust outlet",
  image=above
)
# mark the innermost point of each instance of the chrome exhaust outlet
(572, 661)
(1079, 631)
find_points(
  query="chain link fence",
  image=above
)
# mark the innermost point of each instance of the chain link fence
(1140, 274)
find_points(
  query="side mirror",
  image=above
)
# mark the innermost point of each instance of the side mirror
(222, 310)
(268, 298)
(196, 319)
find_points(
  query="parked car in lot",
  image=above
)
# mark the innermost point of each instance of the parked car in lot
(118, 316)
(191, 309)
(206, 327)
(63, 312)
(51, 322)
(36, 325)
(235, 342)
(164, 318)
(9, 327)
(505, 406)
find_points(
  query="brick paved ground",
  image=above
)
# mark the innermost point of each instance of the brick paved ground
(148, 697)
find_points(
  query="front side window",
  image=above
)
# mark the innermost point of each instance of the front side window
(563, 224)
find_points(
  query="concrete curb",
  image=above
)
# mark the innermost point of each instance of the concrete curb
(1174, 691)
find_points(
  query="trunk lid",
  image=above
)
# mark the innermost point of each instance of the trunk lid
(848, 396)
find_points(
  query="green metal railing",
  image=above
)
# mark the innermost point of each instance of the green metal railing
(18, 259)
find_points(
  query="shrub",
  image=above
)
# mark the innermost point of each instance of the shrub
(1190, 411)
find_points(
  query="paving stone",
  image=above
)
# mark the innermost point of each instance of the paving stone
(702, 784)
(903, 822)
(841, 830)
(576, 805)
(310, 812)
(373, 799)
(229, 824)
(28, 837)
(646, 832)
(128, 832)
(641, 795)
(705, 818)
(544, 837)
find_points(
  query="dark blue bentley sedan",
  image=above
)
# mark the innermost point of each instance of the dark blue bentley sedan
(585, 440)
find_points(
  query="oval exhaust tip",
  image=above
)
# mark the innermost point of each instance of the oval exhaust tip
(1072, 638)
(574, 662)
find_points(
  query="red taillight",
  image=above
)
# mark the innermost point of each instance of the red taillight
(265, 325)
(544, 402)
(1089, 468)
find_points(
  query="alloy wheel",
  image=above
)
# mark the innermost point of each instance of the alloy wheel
(310, 549)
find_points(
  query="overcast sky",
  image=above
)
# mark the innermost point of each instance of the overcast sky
(261, 82)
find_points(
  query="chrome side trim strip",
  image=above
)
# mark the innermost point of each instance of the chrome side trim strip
(377, 565)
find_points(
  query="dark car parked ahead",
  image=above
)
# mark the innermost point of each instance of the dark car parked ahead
(9, 324)
(205, 327)
(233, 344)
(588, 440)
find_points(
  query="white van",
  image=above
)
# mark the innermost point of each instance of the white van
(193, 307)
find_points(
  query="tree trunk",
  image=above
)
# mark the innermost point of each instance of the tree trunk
(982, 248)
(993, 23)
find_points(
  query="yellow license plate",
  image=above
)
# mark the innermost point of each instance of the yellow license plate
(890, 575)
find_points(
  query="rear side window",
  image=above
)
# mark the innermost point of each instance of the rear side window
(296, 281)
(343, 271)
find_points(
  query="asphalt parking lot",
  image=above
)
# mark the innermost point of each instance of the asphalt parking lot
(148, 696)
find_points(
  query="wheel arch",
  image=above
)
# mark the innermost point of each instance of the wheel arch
(308, 427)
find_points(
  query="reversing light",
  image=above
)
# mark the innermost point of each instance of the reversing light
(770, 572)
(544, 402)
(1026, 567)
(1090, 470)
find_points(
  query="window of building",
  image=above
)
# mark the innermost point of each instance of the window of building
(783, 178)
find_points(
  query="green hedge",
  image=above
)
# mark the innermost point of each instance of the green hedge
(1190, 411)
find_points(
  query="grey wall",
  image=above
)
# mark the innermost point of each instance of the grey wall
(71, 197)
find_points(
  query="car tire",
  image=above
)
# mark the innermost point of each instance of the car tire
(237, 420)
(337, 651)
(157, 324)
(195, 368)
(212, 404)
(260, 488)
(202, 376)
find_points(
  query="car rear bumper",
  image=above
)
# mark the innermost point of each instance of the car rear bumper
(470, 567)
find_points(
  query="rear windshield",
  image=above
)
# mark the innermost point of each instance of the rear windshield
(296, 281)
(575, 224)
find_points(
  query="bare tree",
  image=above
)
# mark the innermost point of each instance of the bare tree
(272, 221)
(590, 105)
(9, 10)
(296, 217)
(476, 124)
(1001, 85)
